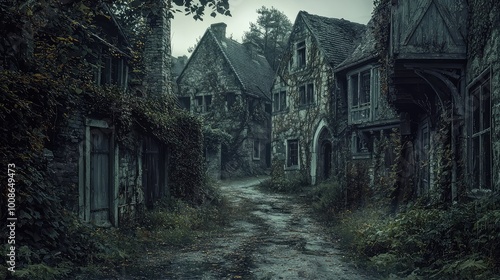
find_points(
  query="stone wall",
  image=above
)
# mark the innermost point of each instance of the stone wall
(66, 162)
(209, 73)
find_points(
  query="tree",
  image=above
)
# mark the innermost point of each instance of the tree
(270, 33)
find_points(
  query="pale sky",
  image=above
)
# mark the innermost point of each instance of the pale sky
(185, 30)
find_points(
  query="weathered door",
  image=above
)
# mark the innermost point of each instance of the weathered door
(100, 177)
(151, 171)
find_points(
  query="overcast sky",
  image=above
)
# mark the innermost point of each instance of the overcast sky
(185, 30)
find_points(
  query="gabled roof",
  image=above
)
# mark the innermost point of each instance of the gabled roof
(363, 52)
(335, 37)
(253, 71)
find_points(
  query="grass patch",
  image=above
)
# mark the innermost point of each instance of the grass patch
(170, 225)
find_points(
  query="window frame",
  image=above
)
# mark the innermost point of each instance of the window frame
(484, 80)
(279, 103)
(290, 162)
(299, 53)
(307, 95)
(363, 111)
(202, 106)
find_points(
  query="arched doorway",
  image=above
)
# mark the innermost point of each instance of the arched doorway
(326, 157)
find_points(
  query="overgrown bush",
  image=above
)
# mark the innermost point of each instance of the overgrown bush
(329, 198)
(462, 241)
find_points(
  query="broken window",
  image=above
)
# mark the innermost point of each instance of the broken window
(292, 153)
(479, 120)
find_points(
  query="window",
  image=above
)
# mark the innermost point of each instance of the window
(230, 99)
(203, 103)
(301, 54)
(112, 71)
(185, 103)
(359, 145)
(279, 101)
(256, 149)
(298, 59)
(306, 94)
(292, 153)
(479, 124)
(363, 88)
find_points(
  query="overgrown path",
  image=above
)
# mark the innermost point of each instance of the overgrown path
(270, 236)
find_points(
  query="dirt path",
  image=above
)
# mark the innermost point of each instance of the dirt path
(271, 237)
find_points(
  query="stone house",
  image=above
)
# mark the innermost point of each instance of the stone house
(303, 95)
(423, 102)
(228, 85)
(109, 181)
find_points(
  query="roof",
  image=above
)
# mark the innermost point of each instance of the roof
(364, 51)
(336, 37)
(253, 70)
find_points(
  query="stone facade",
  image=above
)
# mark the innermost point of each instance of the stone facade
(228, 85)
(110, 181)
(303, 130)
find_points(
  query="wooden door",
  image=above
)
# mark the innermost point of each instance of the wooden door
(100, 177)
(151, 171)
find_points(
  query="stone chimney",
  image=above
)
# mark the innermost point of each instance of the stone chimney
(219, 29)
(157, 58)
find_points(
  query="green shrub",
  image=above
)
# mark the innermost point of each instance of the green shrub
(329, 198)
(460, 241)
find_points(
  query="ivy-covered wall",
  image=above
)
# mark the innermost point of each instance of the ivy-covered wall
(304, 122)
(231, 123)
(484, 55)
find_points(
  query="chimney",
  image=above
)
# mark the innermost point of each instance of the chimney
(219, 29)
(157, 59)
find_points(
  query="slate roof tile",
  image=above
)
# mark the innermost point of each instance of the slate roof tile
(336, 37)
(364, 51)
(254, 71)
